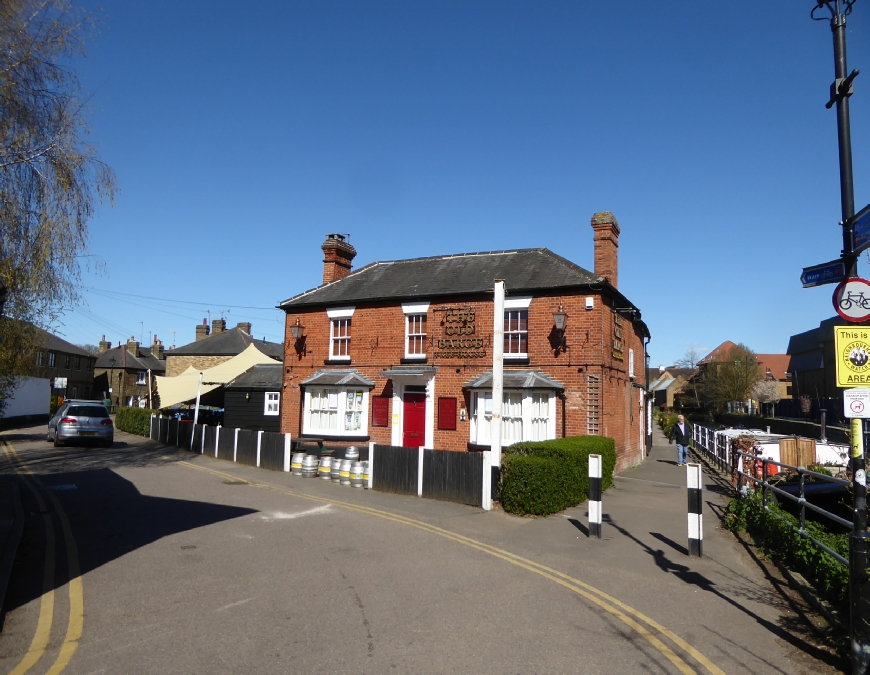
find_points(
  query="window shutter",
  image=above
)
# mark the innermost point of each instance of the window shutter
(380, 411)
(447, 414)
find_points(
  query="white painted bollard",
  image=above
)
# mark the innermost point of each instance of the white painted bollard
(695, 485)
(287, 453)
(595, 496)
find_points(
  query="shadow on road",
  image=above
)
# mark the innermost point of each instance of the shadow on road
(688, 576)
(108, 515)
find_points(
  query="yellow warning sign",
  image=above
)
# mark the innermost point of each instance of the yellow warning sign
(852, 354)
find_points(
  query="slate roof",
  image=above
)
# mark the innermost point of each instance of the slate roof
(56, 344)
(461, 274)
(228, 343)
(516, 379)
(259, 377)
(336, 377)
(124, 359)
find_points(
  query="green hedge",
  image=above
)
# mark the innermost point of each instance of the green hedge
(134, 420)
(779, 533)
(549, 476)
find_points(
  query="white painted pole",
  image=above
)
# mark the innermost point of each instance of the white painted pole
(259, 442)
(235, 443)
(196, 410)
(217, 438)
(287, 445)
(492, 458)
(371, 462)
(202, 441)
(419, 471)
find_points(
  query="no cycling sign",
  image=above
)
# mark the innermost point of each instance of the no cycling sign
(852, 355)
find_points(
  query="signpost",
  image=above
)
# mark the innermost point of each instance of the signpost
(859, 224)
(826, 273)
(852, 299)
(856, 403)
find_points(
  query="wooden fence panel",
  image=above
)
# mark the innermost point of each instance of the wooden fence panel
(171, 432)
(272, 451)
(246, 451)
(225, 443)
(395, 470)
(208, 448)
(453, 476)
(197, 438)
(184, 431)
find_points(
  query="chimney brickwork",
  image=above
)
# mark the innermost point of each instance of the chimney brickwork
(157, 350)
(133, 346)
(244, 326)
(606, 242)
(338, 257)
(104, 345)
(218, 326)
(202, 331)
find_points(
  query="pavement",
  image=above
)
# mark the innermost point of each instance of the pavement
(192, 564)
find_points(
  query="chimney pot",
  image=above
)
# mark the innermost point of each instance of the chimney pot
(202, 331)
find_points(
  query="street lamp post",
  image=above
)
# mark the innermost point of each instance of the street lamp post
(859, 550)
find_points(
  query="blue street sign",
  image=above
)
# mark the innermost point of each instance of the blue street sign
(860, 229)
(827, 273)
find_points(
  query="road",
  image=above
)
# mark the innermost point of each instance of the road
(142, 559)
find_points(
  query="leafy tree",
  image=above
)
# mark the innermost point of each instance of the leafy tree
(51, 177)
(731, 376)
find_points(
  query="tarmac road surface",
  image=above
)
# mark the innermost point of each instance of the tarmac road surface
(143, 559)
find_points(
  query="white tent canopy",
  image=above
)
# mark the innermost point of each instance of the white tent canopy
(182, 388)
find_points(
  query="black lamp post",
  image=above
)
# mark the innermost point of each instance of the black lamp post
(859, 547)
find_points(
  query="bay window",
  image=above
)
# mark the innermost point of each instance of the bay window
(527, 415)
(334, 411)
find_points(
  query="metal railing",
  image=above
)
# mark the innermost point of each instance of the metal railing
(801, 500)
(713, 445)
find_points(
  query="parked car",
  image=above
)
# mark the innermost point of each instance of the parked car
(81, 421)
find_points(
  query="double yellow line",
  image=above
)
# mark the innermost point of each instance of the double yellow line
(41, 638)
(648, 628)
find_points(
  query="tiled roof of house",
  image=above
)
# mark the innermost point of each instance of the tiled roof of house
(228, 343)
(259, 377)
(777, 364)
(466, 273)
(720, 351)
(124, 359)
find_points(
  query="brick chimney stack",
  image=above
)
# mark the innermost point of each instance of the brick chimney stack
(157, 350)
(202, 331)
(133, 346)
(218, 326)
(104, 346)
(606, 241)
(245, 327)
(338, 257)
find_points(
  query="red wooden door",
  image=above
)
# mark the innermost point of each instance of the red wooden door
(414, 431)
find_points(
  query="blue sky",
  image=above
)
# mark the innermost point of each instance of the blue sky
(242, 133)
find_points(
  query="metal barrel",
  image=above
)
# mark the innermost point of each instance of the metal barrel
(365, 475)
(335, 472)
(356, 475)
(344, 473)
(309, 466)
(296, 463)
(325, 468)
(352, 454)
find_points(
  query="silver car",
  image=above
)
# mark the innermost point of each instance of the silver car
(81, 421)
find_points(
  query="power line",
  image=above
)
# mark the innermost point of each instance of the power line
(185, 302)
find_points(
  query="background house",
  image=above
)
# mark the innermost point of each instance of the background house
(121, 374)
(69, 369)
(209, 350)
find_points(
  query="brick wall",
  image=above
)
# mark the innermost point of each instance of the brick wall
(378, 343)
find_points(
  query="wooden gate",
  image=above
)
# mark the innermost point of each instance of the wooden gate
(395, 470)
(453, 476)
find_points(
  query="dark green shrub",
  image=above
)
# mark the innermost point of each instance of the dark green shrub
(134, 420)
(540, 478)
(779, 533)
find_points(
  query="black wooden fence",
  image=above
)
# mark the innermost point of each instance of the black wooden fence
(246, 447)
(185, 430)
(453, 476)
(226, 444)
(272, 451)
(395, 470)
(208, 441)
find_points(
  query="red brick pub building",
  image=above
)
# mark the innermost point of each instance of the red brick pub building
(400, 352)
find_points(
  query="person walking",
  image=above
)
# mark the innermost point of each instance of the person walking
(681, 433)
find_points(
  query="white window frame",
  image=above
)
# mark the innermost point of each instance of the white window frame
(335, 315)
(52, 359)
(340, 411)
(516, 305)
(482, 399)
(272, 403)
(411, 310)
(141, 380)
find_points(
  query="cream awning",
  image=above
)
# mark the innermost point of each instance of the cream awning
(182, 388)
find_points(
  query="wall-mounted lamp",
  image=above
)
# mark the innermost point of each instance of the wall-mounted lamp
(297, 330)
(560, 318)
(247, 396)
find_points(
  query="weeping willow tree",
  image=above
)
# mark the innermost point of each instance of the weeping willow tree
(51, 177)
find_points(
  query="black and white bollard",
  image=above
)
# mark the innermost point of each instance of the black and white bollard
(595, 496)
(695, 484)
